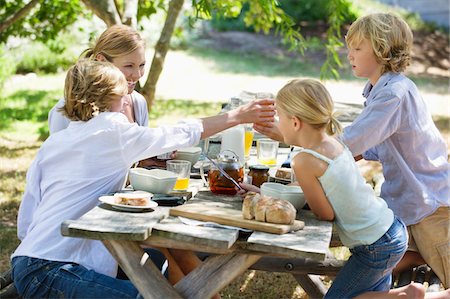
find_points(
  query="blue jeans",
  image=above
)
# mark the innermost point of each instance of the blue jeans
(369, 268)
(37, 278)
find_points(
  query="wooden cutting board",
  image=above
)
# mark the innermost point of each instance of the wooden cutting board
(227, 216)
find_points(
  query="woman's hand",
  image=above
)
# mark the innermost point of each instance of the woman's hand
(259, 111)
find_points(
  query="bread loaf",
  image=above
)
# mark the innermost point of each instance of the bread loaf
(268, 209)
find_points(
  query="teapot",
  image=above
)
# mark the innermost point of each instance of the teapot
(228, 161)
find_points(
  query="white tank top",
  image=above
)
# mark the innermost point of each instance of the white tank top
(360, 216)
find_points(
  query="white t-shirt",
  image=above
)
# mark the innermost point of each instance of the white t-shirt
(57, 121)
(73, 168)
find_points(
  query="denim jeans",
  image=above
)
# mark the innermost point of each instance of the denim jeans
(369, 268)
(37, 278)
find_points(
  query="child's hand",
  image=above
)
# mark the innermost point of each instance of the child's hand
(247, 188)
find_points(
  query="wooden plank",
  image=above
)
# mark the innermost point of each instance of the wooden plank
(330, 266)
(214, 274)
(173, 229)
(104, 222)
(312, 285)
(146, 277)
(220, 213)
(310, 242)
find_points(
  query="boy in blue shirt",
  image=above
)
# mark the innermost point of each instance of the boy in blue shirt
(396, 128)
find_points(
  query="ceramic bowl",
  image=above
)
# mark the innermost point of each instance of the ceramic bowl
(293, 194)
(153, 180)
(191, 154)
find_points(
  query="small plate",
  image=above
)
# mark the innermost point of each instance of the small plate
(110, 200)
(273, 178)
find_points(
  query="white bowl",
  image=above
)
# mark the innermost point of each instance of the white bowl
(191, 154)
(293, 194)
(153, 180)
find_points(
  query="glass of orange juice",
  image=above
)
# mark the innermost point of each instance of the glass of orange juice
(183, 169)
(267, 151)
(248, 140)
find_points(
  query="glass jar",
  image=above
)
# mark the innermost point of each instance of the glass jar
(258, 175)
(218, 183)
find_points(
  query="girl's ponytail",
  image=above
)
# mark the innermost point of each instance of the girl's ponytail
(334, 127)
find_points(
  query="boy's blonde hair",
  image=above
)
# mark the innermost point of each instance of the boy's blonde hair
(117, 40)
(89, 89)
(390, 36)
(310, 101)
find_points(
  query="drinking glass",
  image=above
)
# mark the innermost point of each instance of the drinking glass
(267, 151)
(249, 134)
(183, 170)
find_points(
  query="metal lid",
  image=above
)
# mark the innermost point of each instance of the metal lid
(259, 167)
(227, 156)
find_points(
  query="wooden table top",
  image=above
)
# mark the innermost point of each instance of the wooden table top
(157, 228)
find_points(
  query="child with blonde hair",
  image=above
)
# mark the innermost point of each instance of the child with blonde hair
(89, 158)
(336, 191)
(396, 128)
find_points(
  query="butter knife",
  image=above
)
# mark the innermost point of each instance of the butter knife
(224, 173)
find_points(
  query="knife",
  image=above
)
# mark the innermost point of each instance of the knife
(224, 173)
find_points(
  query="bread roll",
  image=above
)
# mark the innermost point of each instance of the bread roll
(281, 212)
(268, 209)
(260, 208)
(250, 199)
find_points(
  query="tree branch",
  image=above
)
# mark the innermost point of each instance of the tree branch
(18, 15)
(161, 48)
(130, 13)
(105, 10)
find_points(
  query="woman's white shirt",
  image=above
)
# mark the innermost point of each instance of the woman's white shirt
(77, 165)
(57, 121)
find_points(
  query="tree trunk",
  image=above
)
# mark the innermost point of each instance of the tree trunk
(161, 48)
(18, 15)
(130, 13)
(105, 10)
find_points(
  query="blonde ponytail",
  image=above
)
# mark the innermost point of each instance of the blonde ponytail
(334, 127)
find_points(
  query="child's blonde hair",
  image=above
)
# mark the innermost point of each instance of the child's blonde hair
(390, 36)
(117, 40)
(310, 101)
(89, 89)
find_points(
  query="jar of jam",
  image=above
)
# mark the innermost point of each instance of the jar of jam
(258, 175)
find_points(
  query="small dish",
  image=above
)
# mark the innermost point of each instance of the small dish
(191, 154)
(153, 180)
(111, 200)
(293, 194)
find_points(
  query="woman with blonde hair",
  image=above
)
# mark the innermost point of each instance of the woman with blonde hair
(122, 46)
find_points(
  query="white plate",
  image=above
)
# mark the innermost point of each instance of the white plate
(110, 200)
(273, 171)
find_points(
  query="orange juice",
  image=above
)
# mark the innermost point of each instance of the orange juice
(269, 162)
(181, 184)
(248, 142)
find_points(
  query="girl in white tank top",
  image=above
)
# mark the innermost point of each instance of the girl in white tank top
(336, 191)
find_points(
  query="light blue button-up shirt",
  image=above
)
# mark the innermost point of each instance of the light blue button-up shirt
(396, 129)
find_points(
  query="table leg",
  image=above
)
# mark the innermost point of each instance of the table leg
(214, 274)
(146, 277)
(312, 285)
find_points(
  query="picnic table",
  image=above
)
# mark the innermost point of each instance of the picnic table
(230, 252)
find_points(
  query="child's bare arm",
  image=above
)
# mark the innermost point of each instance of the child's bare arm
(307, 169)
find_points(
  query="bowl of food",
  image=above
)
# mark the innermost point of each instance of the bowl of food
(191, 154)
(291, 193)
(153, 180)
